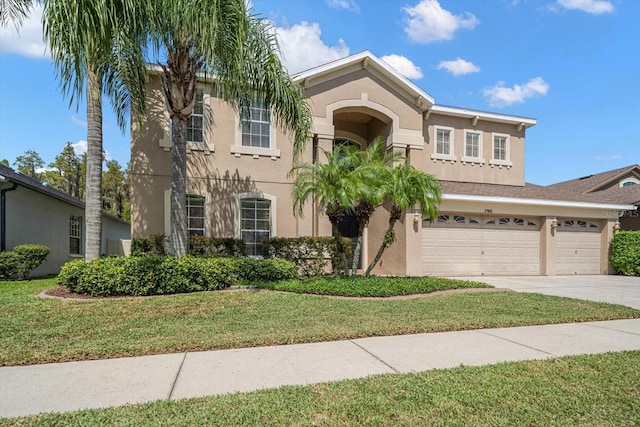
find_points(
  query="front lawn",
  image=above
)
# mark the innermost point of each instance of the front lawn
(594, 390)
(37, 330)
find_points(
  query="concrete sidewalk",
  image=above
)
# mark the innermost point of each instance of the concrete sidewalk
(59, 387)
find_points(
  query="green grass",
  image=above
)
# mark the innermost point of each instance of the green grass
(36, 330)
(373, 286)
(594, 390)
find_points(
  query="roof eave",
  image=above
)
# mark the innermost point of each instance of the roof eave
(538, 202)
(525, 122)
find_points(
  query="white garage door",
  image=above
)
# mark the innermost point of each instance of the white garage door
(461, 245)
(578, 247)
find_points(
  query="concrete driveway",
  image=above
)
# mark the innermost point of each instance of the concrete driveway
(614, 289)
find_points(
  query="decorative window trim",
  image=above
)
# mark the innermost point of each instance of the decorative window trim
(206, 146)
(579, 225)
(492, 222)
(473, 160)
(439, 156)
(499, 162)
(238, 150)
(272, 211)
(629, 181)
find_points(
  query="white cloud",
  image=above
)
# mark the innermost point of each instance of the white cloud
(403, 65)
(28, 40)
(609, 157)
(500, 95)
(594, 7)
(302, 48)
(349, 5)
(79, 122)
(429, 22)
(80, 147)
(458, 67)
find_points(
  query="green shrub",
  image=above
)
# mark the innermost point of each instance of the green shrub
(310, 254)
(216, 246)
(153, 244)
(152, 275)
(625, 253)
(22, 260)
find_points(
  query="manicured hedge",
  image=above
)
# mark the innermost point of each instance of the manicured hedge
(153, 244)
(151, 275)
(216, 246)
(370, 286)
(311, 254)
(625, 253)
(19, 262)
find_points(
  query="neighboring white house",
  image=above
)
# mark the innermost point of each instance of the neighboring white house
(34, 213)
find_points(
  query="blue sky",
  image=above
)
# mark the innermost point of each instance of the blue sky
(574, 65)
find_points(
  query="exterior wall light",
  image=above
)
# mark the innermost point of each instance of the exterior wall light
(616, 227)
(554, 225)
(416, 218)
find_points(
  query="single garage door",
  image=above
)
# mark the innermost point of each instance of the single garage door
(468, 245)
(578, 243)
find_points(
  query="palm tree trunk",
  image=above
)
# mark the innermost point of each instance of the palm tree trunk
(388, 239)
(93, 209)
(340, 246)
(178, 238)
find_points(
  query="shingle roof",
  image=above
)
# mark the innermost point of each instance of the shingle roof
(590, 183)
(528, 191)
(33, 184)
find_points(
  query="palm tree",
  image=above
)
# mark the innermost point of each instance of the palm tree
(333, 186)
(221, 39)
(97, 49)
(369, 167)
(14, 11)
(405, 187)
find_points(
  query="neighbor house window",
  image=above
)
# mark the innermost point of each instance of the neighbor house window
(195, 215)
(443, 142)
(628, 184)
(256, 130)
(75, 234)
(255, 224)
(500, 147)
(472, 145)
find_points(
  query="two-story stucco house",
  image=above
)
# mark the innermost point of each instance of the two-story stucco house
(491, 221)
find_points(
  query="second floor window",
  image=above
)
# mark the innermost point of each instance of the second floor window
(472, 145)
(195, 215)
(500, 148)
(256, 130)
(443, 142)
(195, 124)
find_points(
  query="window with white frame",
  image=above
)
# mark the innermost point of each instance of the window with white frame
(443, 142)
(195, 124)
(75, 235)
(255, 223)
(256, 130)
(500, 147)
(629, 182)
(472, 145)
(195, 215)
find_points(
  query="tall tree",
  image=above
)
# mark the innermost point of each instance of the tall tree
(114, 189)
(333, 185)
(5, 162)
(404, 188)
(65, 173)
(29, 163)
(97, 48)
(14, 11)
(221, 39)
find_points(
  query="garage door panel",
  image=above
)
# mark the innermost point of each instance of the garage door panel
(469, 250)
(578, 248)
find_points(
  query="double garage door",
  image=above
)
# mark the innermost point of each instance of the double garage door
(468, 245)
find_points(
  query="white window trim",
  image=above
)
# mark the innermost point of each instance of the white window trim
(464, 159)
(237, 149)
(167, 210)
(206, 146)
(437, 156)
(498, 162)
(273, 232)
(80, 222)
(630, 179)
